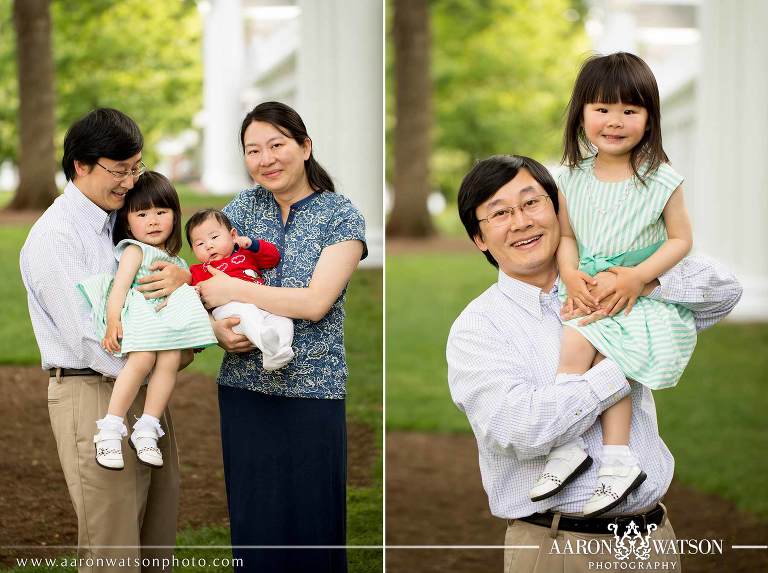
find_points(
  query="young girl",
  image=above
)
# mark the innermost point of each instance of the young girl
(151, 332)
(622, 211)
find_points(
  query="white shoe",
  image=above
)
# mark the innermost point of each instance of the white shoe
(564, 464)
(144, 442)
(614, 484)
(110, 458)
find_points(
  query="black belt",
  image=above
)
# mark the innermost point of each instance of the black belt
(74, 372)
(598, 525)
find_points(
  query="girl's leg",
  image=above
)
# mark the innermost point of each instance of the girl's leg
(620, 473)
(108, 440)
(162, 382)
(576, 352)
(567, 461)
(147, 430)
(136, 369)
(617, 421)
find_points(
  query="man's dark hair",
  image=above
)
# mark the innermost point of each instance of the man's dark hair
(287, 121)
(103, 132)
(152, 190)
(203, 215)
(490, 175)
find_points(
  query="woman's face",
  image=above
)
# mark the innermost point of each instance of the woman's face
(274, 160)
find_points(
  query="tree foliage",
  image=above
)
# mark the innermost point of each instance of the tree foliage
(141, 57)
(502, 72)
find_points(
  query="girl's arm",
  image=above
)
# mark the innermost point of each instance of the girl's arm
(631, 281)
(679, 239)
(576, 282)
(130, 261)
(332, 273)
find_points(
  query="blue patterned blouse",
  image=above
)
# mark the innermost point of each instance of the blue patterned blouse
(319, 369)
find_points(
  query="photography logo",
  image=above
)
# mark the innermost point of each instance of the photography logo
(632, 542)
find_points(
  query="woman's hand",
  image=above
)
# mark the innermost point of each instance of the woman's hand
(228, 340)
(167, 278)
(629, 286)
(219, 289)
(113, 336)
(577, 285)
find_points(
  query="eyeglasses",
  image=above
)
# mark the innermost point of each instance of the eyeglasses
(136, 172)
(503, 216)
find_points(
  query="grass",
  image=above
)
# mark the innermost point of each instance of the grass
(363, 336)
(714, 421)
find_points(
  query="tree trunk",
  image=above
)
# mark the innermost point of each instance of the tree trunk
(412, 145)
(37, 156)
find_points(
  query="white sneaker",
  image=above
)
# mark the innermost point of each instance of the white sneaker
(564, 464)
(614, 484)
(110, 457)
(144, 442)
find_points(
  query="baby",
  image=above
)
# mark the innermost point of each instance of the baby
(215, 242)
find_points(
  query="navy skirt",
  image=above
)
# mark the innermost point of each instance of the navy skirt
(285, 468)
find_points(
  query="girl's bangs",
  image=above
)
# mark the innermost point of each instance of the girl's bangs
(151, 196)
(614, 85)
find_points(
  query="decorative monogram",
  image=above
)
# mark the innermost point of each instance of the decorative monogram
(632, 542)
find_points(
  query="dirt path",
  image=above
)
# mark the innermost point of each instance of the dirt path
(34, 503)
(435, 497)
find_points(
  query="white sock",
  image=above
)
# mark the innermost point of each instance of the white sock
(147, 422)
(619, 455)
(113, 423)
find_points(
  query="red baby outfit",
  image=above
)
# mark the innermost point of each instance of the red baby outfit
(244, 264)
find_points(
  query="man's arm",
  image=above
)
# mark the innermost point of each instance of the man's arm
(507, 407)
(703, 286)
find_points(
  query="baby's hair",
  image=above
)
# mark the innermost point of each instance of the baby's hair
(619, 77)
(151, 190)
(203, 215)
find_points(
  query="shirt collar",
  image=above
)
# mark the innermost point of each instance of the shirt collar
(527, 296)
(88, 211)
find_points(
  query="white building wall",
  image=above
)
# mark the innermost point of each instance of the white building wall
(732, 145)
(340, 96)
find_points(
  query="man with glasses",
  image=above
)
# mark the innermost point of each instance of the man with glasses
(502, 357)
(71, 241)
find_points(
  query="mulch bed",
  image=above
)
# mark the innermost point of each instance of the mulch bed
(35, 508)
(435, 497)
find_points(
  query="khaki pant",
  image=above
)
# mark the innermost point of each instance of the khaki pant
(553, 554)
(130, 508)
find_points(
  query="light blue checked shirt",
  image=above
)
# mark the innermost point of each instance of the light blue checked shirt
(69, 242)
(503, 351)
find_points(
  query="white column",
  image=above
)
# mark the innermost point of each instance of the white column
(340, 98)
(730, 201)
(223, 57)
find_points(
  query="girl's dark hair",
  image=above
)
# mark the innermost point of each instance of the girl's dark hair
(103, 132)
(203, 215)
(619, 77)
(151, 190)
(289, 123)
(490, 175)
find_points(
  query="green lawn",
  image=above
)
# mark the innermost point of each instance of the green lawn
(363, 335)
(714, 421)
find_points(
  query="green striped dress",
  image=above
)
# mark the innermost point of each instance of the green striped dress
(182, 323)
(620, 224)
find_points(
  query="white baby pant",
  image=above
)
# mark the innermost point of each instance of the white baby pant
(271, 334)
